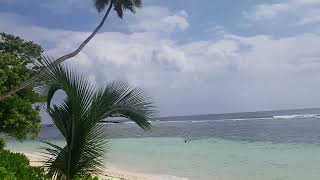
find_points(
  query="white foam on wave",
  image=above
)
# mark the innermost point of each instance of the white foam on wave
(181, 121)
(297, 116)
(200, 121)
(129, 122)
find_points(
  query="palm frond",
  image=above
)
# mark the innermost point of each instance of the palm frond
(55, 157)
(101, 4)
(122, 100)
(118, 5)
(78, 119)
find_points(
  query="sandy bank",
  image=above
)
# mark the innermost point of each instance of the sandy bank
(111, 173)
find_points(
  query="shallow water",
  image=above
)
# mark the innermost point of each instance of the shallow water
(209, 159)
(260, 148)
(218, 159)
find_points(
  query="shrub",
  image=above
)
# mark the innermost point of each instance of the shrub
(2, 143)
(88, 178)
(16, 166)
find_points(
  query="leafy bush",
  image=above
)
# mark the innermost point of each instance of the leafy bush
(19, 114)
(16, 166)
(88, 178)
(2, 143)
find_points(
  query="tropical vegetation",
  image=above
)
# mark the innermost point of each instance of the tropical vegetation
(16, 166)
(2, 143)
(19, 116)
(79, 117)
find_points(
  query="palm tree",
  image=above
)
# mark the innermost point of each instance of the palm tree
(79, 116)
(118, 5)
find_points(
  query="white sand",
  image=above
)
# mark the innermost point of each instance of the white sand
(110, 173)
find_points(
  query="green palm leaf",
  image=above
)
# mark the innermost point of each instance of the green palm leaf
(118, 5)
(78, 119)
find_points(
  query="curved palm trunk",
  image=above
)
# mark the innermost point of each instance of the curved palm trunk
(57, 61)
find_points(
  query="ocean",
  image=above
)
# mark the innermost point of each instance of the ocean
(269, 145)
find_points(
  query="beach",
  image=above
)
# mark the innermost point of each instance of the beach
(109, 173)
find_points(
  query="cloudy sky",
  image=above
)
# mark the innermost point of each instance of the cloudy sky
(204, 56)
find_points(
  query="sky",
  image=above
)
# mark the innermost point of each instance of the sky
(192, 57)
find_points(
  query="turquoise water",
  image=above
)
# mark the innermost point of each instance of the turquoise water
(209, 159)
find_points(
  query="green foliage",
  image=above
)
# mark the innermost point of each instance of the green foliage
(78, 119)
(2, 143)
(118, 5)
(18, 115)
(86, 178)
(15, 166)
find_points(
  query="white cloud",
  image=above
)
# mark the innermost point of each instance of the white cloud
(269, 11)
(289, 54)
(158, 18)
(311, 17)
(216, 29)
(234, 73)
(289, 9)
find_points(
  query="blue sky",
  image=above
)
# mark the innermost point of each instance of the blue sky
(204, 56)
(204, 16)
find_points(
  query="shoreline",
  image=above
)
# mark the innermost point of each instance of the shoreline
(110, 172)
